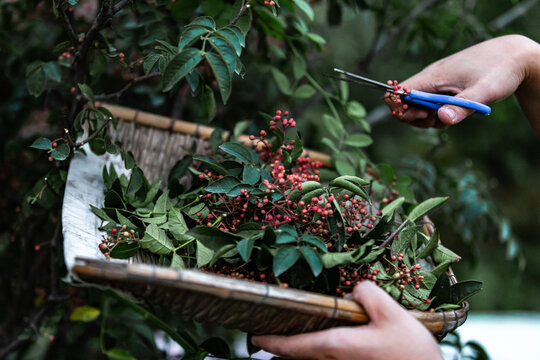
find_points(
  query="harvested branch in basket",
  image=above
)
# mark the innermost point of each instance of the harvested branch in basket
(263, 214)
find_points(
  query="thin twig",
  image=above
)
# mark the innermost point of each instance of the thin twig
(243, 8)
(391, 237)
(120, 92)
(91, 137)
(68, 26)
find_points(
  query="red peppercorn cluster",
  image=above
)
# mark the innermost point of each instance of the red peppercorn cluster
(398, 90)
(116, 236)
(67, 54)
(269, 2)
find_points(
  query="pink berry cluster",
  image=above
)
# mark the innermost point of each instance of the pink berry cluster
(398, 90)
(67, 54)
(281, 117)
(269, 2)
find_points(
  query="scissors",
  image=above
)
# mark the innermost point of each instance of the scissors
(425, 99)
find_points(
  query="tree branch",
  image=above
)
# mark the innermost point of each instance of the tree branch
(243, 8)
(120, 6)
(120, 92)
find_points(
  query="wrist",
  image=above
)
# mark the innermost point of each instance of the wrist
(528, 92)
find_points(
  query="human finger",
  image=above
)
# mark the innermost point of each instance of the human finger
(378, 304)
(452, 114)
(303, 346)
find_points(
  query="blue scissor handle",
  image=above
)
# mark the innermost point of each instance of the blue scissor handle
(435, 101)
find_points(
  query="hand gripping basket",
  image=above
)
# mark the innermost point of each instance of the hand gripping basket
(258, 308)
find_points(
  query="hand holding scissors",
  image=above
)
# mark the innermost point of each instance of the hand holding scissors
(399, 95)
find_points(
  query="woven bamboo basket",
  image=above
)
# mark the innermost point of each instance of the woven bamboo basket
(258, 308)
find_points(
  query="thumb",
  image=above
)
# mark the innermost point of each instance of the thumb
(453, 114)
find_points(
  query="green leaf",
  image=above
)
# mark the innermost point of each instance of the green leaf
(431, 245)
(386, 174)
(136, 181)
(313, 259)
(61, 152)
(333, 125)
(119, 354)
(358, 140)
(87, 92)
(177, 224)
(232, 39)
(205, 21)
(52, 71)
(423, 208)
(284, 259)
(124, 250)
(442, 254)
(213, 238)
(342, 183)
(156, 240)
(180, 66)
(190, 36)
(297, 149)
(208, 103)
(223, 185)
(239, 34)
(464, 290)
(150, 62)
(317, 39)
(35, 78)
(304, 91)
(245, 247)
(250, 175)
(281, 81)
(344, 167)
(305, 8)
(284, 237)
(42, 144)
(222, 74)
(390, 209)
(85, 314)
(355, 110)
(212, 164)
(204, 254)
(314, 193)
(240, 152)
(225, 51)
(177, 262)
(332, 259)
(299, 67)
(315, 241)
(162, 203)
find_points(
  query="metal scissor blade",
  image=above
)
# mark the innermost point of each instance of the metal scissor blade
(381, 85)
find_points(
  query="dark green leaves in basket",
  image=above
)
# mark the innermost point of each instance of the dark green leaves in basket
(444, 293)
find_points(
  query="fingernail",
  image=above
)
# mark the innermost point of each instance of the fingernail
(451, 113)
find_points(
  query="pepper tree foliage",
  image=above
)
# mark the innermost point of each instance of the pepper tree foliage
(71, 53)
